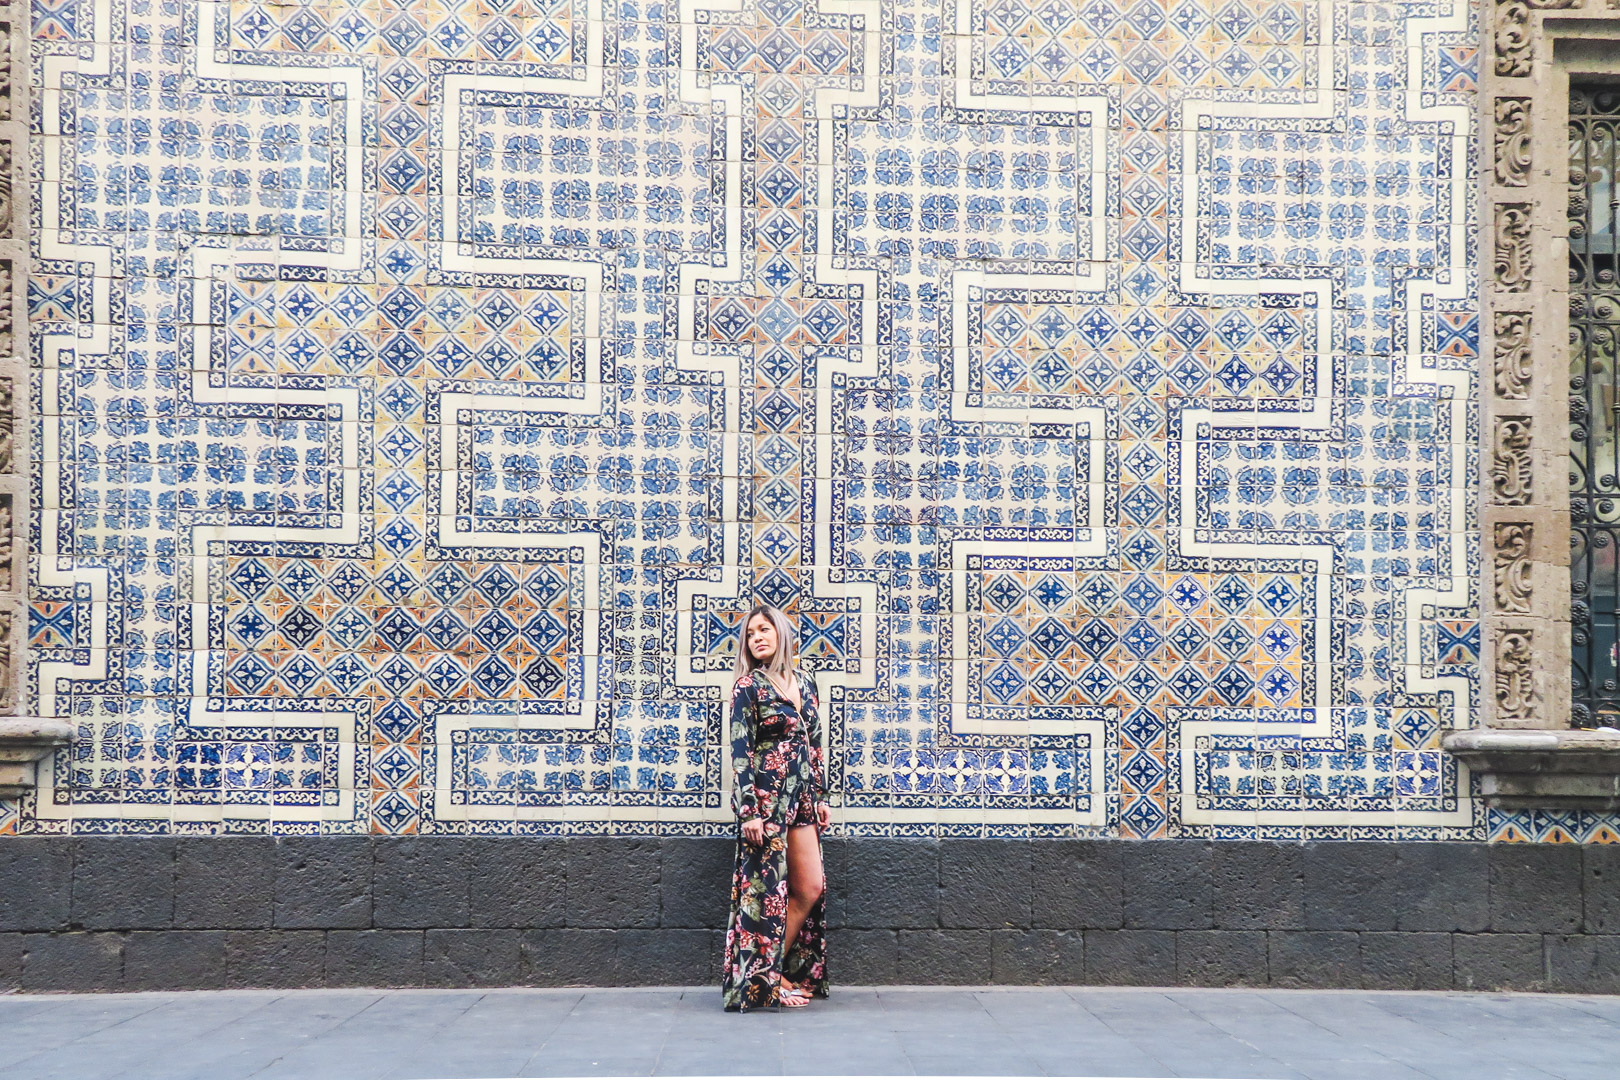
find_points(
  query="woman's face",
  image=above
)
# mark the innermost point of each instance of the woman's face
(761, 639)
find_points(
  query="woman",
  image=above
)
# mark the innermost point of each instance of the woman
(775, 951)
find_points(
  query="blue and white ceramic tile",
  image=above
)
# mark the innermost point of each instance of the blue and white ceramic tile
(425, 389)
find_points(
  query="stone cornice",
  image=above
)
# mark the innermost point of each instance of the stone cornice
(1551, 768)
(24, 740)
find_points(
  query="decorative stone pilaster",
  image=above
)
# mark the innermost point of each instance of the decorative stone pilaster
(1524, 503)
(1533, 47)
(23, 740)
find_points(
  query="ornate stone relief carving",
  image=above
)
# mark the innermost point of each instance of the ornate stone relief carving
(8, 688)
(1510, 461)
(8, 338)
(1512, 567)
(1515, 46)
(7, 214)
(1512, 263)
(6, 80)
(1512, 354)
(1512, 141)
(1514, 52)
(7, 547)
(1516, 695)
(8, 454)
(8, 677)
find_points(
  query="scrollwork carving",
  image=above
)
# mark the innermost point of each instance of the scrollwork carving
(1512, 262)
(1514, 50)
(8, 427)
(8, 694)
(7, 545)
(8, 688)
(1512, 141)
(1512, 354)
(1516, 694)
(1512, 567)
(1510, 461)
(1515, 47)
(8, 337)
(6, 80)
(8, 422)
(7, 213)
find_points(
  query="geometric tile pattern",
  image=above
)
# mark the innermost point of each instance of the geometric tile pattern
(425, 390)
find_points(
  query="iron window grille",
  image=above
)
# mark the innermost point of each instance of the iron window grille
(1594, 403)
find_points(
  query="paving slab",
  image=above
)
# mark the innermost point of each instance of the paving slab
(858, 1032)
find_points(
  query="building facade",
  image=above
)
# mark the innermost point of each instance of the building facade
(1154, 415)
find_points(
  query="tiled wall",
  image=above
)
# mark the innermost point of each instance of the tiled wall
(424, 388)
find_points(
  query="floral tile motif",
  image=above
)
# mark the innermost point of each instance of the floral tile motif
(424, 392)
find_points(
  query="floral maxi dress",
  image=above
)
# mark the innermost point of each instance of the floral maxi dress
(778, 776)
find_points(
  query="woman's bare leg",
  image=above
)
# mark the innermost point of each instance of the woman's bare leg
(805, 879)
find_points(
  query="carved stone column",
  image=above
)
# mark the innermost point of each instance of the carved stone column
(23, 739)
(1524, 505)
(1526, 752)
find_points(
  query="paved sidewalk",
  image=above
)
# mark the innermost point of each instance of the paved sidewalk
(1086, 1031)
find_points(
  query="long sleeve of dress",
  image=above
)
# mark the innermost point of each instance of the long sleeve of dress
(744, 801)
(808, 693)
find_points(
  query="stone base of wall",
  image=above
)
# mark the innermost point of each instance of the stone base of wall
(164, 913)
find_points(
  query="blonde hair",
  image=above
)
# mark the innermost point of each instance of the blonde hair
(786, 655)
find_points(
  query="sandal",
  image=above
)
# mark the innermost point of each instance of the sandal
(789, 996)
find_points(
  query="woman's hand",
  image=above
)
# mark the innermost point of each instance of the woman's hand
(823, 815)
(753, 831)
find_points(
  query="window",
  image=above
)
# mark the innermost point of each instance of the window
(1594, 403)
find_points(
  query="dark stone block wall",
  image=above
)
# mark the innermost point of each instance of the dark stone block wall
(87, 913)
